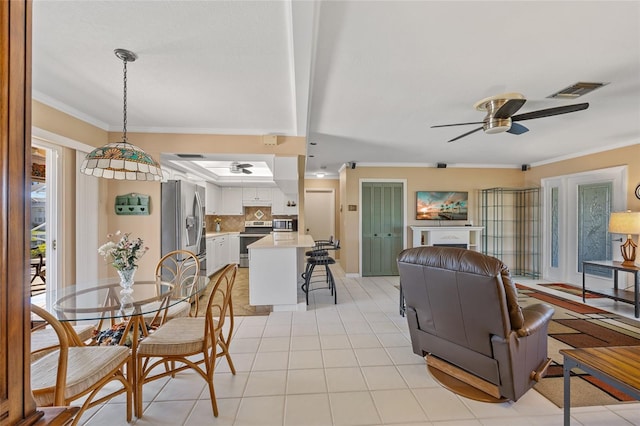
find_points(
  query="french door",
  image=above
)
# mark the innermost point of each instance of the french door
(576, 211)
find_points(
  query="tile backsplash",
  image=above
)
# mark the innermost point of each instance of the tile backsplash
(236, 223)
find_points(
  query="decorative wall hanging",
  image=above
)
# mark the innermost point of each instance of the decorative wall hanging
(132, 204)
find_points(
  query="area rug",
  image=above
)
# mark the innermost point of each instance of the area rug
(239, 296)
(576, 325)
(571, 289)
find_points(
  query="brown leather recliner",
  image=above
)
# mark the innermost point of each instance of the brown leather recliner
(462, 308)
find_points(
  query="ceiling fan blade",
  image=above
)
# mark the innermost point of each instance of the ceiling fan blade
(517, 129)
(246, 172)
(241, 166)
(509, 108)
(550, 111)
(457, 124)
(465, 134)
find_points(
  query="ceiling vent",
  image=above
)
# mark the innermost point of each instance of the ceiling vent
(577, 90)
(191, 156)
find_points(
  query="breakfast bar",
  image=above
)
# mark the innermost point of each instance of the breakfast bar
(276, 263)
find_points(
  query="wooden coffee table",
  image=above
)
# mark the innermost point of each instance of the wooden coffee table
(618, 366)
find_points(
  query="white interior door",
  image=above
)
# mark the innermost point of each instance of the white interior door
(319, 213)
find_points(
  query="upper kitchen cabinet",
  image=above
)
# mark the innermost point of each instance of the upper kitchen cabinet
(231, 201)
(284, 204)
(285, 174)
(213, 200)
(256, 196)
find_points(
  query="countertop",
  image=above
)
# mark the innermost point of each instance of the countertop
(291, 239)
(220, 234)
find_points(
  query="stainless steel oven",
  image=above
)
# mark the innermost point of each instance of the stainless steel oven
(253, 231)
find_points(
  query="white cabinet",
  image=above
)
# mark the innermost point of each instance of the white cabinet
(214, 199)
(221, 257)
(256, 196)
(218, 254)
(285, 174)
(211, 253)
(234, 248)
(231, 204)
(284, 204)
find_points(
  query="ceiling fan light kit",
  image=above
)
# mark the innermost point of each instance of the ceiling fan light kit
(122, 160)
(500, 114)
(236, 167)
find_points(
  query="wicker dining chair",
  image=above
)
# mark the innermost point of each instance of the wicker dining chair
(178, 340)
(74, 371)
(44, 338)
(180, 268)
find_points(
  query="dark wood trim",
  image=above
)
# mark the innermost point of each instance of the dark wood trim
(16, 402)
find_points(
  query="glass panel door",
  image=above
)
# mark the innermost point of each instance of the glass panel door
(594, 208)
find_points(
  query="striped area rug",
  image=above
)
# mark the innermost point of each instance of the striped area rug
(576, 325)
(570, 289)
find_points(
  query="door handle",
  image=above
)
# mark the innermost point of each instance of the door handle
(389, 235)
(375, 235)
(617, 239)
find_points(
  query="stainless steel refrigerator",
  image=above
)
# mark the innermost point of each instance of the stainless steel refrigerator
(183, 224)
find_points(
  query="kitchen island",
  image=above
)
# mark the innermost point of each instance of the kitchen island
(276, 263)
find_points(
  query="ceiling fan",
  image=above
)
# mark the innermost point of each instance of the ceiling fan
(500, 118)
(240, 168)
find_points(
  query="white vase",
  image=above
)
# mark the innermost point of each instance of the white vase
(217, 227)
(126, 279)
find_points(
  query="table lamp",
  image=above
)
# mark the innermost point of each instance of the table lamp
(626, 223)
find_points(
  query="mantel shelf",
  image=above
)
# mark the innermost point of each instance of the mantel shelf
(456, 236)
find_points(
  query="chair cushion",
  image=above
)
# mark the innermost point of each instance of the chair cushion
(87, 365)
(47, 338)
(180, 309)
(183, 335)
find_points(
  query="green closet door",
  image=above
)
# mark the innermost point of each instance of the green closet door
(382, 222)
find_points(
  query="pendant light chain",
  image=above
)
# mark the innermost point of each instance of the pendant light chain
(124, 128)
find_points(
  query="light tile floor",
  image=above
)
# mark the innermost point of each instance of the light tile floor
(344, 364)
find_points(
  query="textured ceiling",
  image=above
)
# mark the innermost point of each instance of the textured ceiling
(363, 81)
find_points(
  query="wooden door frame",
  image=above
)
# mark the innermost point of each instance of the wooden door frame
(16, 401)
(404, 218)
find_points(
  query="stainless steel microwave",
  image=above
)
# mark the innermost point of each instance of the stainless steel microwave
(286, 225)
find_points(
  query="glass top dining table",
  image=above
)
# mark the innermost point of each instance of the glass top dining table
(106, 300)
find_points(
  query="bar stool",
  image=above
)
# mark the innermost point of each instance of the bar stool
(320, 249)
(319, 256)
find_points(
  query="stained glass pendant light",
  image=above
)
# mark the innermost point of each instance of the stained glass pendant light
(122, 160)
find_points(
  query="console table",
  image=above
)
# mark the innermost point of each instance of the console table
(615, 293)
(618, 366)
(453, 236)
